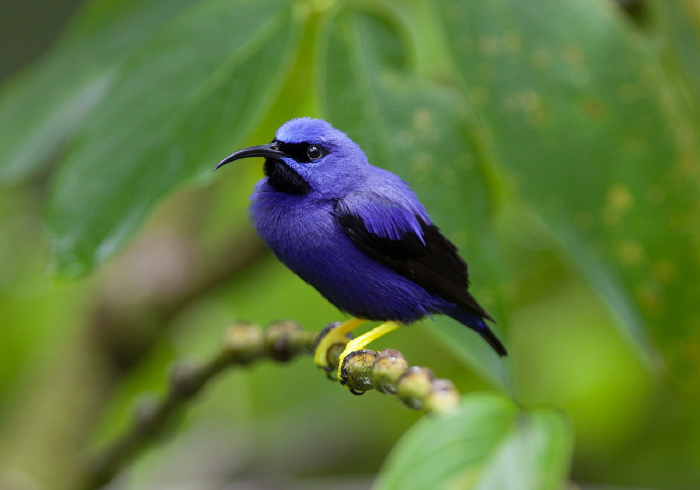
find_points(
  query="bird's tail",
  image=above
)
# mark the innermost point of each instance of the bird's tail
(477, 323)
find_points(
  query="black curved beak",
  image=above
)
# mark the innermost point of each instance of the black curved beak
(270, 150)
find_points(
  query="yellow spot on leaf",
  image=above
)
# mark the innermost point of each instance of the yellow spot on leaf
(649, 298)
(573, 55)
(620, 198)
(619, 201)
(630, 253)
(664, 270)
(448, 174)
(593, 109)
(422, 119)
(488, 46)
(530, 103)
(512, 42)
(634, 145)
(422, 166)
(541, 59)
(688, 164)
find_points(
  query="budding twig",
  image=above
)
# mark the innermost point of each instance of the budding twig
(386, 371)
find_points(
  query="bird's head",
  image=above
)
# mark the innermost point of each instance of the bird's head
(309, 155)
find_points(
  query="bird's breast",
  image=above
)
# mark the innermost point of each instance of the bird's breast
(291, 223)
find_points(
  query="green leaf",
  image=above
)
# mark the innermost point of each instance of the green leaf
(587, 136)
(41, 109)
(486, 443)
(419, 130)
(182, 101)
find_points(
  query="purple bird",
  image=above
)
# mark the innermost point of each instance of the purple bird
(358, 234)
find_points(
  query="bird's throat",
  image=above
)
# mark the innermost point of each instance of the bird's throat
(284, 179)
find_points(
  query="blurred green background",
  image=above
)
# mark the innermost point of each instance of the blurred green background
(556, 142)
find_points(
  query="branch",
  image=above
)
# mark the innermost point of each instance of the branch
(387, 371)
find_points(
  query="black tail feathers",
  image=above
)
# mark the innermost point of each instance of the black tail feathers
(478, 324)
(493, 341)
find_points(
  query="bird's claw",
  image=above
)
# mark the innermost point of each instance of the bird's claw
(329, 338)
(333, 338)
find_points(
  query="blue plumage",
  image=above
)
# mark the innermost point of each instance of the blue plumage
(356, 232)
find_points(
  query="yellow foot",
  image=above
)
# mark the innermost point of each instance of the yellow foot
(334, 336)
(364, 339)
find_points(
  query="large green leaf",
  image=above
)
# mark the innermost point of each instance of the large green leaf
(580, 125)
(192, 93)
(486, 443)
(42, 108)
(419, 130)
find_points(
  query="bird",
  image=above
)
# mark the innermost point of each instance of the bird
(358, 234)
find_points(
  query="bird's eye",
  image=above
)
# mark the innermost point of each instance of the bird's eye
(314, 152)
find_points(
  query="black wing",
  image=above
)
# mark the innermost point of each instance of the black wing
(435, 265)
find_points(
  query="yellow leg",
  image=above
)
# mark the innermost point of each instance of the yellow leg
(335, 336)
(364, 339)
